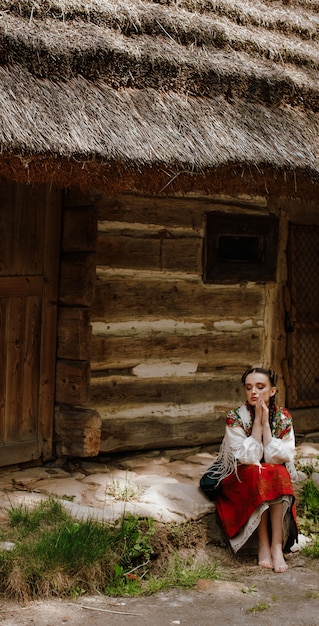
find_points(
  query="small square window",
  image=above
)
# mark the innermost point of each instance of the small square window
(240, 248)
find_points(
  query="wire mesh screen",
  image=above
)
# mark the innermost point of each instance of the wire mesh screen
(304, 327)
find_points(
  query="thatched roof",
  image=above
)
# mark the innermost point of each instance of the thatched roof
(165, 85)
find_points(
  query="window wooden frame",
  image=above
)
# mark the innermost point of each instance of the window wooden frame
(240, 248)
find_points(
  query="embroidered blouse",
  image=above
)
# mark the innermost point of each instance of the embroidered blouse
(238, 445)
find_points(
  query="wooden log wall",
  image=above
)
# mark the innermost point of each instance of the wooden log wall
(77, 428)
(167, 349)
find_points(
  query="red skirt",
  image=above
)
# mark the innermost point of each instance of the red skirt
(239, 497)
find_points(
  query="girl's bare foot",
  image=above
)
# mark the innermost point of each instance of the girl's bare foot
(279, 562)
(264, 557)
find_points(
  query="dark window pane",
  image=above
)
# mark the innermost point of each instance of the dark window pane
(233, 248)
(240, 247)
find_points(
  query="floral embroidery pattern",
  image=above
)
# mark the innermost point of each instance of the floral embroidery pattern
(280, 425)
(234, 420)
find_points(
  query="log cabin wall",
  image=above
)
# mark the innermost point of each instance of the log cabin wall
(164, 361)
(168, 350)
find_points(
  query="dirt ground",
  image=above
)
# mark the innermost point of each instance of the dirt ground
(244, 594)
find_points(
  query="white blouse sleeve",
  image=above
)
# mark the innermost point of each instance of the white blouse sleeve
(280, 450)
(245, 449)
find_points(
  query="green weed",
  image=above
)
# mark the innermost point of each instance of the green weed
(261, 606)
(180, 572)
(312, 550)
(309, 467)
(308, 517)
(312, 595)
(124, 491)
(308, 509)
(310, 500)
(252, 589)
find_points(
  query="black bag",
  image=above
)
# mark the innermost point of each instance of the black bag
(210, 482)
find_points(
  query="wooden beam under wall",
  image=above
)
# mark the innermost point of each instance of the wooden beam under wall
(77, 431)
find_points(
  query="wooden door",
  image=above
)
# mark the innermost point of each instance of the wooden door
(302, 316)
(29, 262)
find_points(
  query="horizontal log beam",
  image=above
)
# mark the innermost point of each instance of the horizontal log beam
(133, 298)
(143, 210)
(208, 350)
(200, 387)
(168, 211)
(149, 431)
(182, 255)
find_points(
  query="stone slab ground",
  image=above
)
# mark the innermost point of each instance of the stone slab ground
(162, 485)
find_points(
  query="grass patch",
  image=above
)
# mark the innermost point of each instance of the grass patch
(308, 509)
(55, 555)
(313, 549)
(124, 491)
(309, 466)
(180, 572)
(261, 606)
(308, 517)
(310, 500)
(312, 595)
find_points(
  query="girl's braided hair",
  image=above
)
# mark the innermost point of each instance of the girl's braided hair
(271, 374)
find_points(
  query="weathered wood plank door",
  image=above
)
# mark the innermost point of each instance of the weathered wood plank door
(29, 263)
(302, 316)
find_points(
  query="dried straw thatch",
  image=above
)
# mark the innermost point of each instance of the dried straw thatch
(165, 85)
